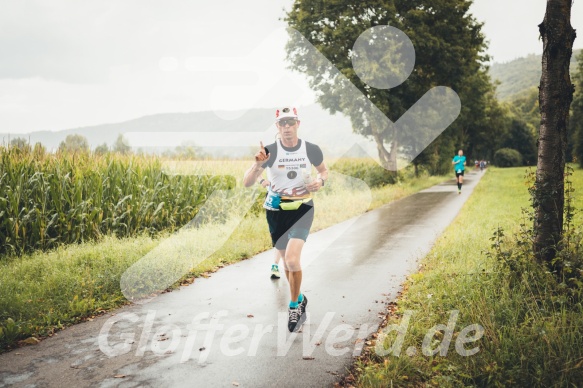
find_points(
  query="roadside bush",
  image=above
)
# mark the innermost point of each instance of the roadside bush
(545, 305)
(530, 313)
(507, 157)
(366, 170)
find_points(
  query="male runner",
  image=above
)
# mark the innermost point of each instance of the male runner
(289, 223)
(459, 165)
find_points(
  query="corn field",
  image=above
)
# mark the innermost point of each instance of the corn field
(47, 200)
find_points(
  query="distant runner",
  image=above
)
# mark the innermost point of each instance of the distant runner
(459, 165)
(290, 209)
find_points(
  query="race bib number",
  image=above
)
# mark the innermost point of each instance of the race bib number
(272, 201)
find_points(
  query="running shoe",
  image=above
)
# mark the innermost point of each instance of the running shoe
(275, 272)
(293, 317)
(304, 304)
(296, 317)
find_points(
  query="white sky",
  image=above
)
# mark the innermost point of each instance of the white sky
(68, 64)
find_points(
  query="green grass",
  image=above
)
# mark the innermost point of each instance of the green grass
(532, 335)
(42, 292)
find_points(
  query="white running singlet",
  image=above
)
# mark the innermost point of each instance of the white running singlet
(285, 174)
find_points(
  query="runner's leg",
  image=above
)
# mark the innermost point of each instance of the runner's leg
(278, 256)
(281, 253)
(293, 268)
(275, 272)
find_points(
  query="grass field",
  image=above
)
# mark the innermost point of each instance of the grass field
(42, 292)
(533, 334)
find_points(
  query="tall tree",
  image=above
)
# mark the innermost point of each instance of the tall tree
(525, 106)
(576, 119)
(20, 143)
(483, 121)
(188, 150)
(101, 149)
(74, 143)
(121, 145)
(448, 46)
(556, 94)
(522, 140)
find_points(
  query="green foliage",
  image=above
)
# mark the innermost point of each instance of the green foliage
(567, 265)
(522, 74)
(521, 139)
(437, 157)
(576, 119)
(47, 200)
(39, 150)
(526, 113)
(516, 76)
(366, 170)
(519, 80)
(552, 291)
(121, 145)
(533, 325)
(483, 122)
(101, 149)
(74, 143)
(540, 322)
(507, 157)
(449, 50)
(188, 151)
(20, 143)
(525, 107)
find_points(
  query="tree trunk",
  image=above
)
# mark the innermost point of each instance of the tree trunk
(387, 158)
(393, 155)
(555, 96)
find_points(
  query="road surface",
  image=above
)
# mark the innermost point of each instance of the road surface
(230, 330)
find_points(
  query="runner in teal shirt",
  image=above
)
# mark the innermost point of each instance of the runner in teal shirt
(459, 165)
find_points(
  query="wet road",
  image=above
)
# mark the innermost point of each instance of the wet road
(231, 329)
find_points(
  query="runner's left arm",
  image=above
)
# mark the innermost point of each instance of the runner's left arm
(319, 181)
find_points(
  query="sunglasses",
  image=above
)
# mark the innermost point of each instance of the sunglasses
(290, 122)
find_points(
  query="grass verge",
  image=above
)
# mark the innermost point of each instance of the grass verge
(532, 335)
(44, 291)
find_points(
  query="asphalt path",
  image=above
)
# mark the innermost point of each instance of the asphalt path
(230, 330)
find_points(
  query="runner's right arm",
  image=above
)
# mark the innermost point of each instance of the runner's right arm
(256, 169)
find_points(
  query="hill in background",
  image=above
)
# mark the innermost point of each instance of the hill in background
(332, 132)
(521, 74)
(517, 79)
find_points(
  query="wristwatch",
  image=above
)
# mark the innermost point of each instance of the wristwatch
(323, 181)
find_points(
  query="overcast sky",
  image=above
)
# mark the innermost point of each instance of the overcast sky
(68, 64)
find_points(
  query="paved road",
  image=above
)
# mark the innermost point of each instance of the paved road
(231, 329)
